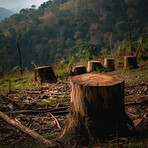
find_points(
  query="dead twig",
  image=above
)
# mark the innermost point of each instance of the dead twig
(55, 120)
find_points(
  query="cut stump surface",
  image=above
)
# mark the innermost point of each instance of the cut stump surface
(97, 80)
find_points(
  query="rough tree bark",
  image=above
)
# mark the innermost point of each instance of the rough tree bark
(131, 62)
(97, 109)
(94, 65)
(44, 74)
(109, 63)
(78, 69)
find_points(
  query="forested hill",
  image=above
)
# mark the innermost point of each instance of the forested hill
(62, 27)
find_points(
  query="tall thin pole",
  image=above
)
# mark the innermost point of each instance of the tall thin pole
(130, 40)
(19, 56)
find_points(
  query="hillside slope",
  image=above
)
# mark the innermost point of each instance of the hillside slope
(72, 26)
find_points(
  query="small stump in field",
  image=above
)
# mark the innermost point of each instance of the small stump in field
(79, 69)
(44, 74)
(109, 63)
(131, 62)
(94, 65)
(97, 109)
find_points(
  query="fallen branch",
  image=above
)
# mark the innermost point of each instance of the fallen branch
(57, 111)
(119, 141)
(26, 130)
(55, 120)
(36, 112)
(137, 102)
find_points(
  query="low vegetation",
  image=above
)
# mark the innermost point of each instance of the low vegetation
(132, 77)
(16, 81)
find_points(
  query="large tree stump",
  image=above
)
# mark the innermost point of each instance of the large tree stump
(44, 74)
(94, 65)
(131, 62)
(97, 109)
(109, 63)
(78, 69)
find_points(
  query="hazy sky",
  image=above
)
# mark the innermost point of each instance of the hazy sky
(11, 4)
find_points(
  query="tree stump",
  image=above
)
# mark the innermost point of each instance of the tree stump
(131, 62)
(94, 65)
(97, 109)
(77, 70)
(109, 63)
(44, 74)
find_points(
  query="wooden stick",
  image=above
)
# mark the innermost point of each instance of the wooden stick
(137, 102)
(55, 120)
(117, 140)
(36, 112)
(26, 130)
(57, 111)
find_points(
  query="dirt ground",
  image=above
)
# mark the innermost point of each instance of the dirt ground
(31, 108)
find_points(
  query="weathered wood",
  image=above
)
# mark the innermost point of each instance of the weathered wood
(131, 62)
(44, 74)
(58, 124)
(97, 109)
(78, 69)
(94, 65)
(26, 130)
(109, 63)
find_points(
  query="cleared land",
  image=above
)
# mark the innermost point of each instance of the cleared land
(34, 105)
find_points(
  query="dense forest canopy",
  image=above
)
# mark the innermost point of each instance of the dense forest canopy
(65, 29)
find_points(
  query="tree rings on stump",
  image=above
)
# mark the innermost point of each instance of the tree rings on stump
(44, 74)
(109, 63)
(78, 69)
(94, 65)
(97, 109)
(131, 62)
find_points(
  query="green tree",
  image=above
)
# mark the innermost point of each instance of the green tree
(70, 42)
